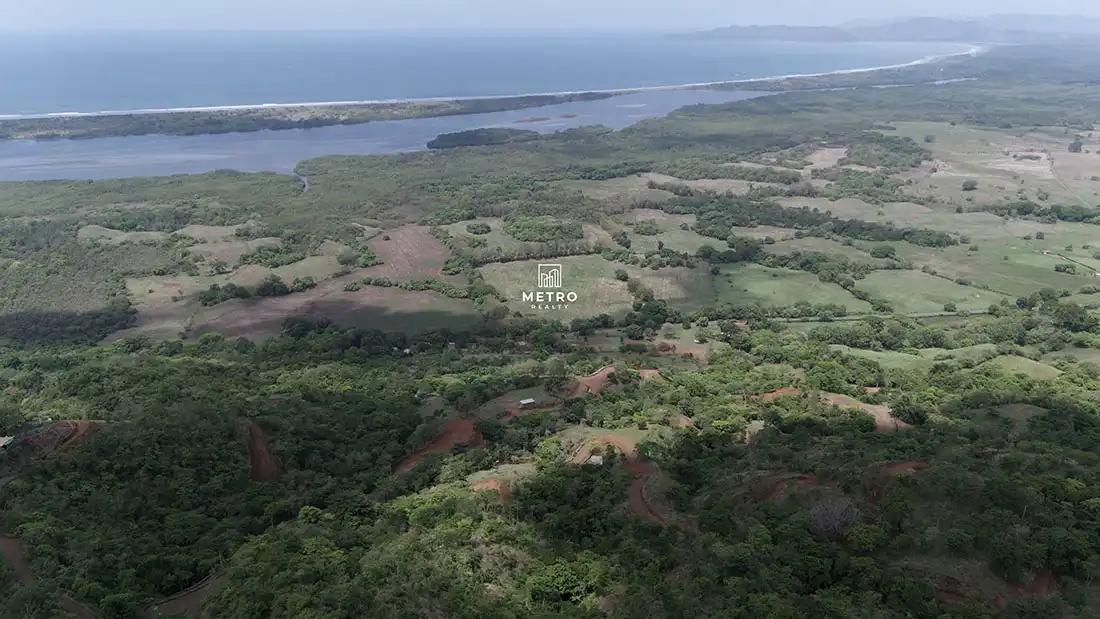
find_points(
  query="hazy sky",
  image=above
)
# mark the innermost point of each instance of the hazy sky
(476, 14)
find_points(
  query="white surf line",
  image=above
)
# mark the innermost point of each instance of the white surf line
(973, 51)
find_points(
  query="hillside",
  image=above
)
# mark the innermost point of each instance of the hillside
(824, 353)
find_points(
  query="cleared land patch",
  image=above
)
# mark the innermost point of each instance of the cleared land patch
(913, 292)
(115, 237)
(817, 244)
(1022, 365)
(752, 283)
(410, 253)
(371, 307)
(593, 279)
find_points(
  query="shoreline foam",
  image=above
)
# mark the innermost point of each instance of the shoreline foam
(973, 51)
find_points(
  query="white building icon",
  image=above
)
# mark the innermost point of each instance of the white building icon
(549, 276)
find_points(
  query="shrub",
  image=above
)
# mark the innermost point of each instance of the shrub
(272, 286)
(970, 185)
(478, 227)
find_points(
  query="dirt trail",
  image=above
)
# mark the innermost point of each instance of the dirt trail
(262, 465)
(593, 383)
(637, 498)
(780, 485)
(885, 422)
(454, 432)
(61, 435)
(13, 553)
(190, 600)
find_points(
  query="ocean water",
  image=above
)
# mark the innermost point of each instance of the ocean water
(112, 71)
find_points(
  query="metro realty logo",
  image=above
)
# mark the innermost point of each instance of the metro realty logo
(549, 276)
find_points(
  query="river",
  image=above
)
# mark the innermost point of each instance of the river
(280, 151)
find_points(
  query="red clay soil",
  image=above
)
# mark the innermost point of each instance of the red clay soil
(779, 486)
(190, 600)
(593, 383)
(263, 465)
(683, 421)
(885, 422)
(778, 393)
(1042, 585)
(495, 485)
(649, 374)
(872, 389)
(454, 432)
(636, 494)
(81, 429)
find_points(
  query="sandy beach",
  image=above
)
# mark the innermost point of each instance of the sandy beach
(973, 50)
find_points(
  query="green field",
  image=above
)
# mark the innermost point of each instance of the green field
(913, 292)
(752, 283)
(825, 246)
(1023, 365)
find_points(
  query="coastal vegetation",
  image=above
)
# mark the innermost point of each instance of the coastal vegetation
(263, 118)
(805, 371)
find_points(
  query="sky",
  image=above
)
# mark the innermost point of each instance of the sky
(488, 14)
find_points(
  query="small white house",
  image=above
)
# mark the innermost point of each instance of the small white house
(5, 441)
(597, 460)
(527, 403)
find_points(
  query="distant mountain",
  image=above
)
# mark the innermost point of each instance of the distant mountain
(993, 29)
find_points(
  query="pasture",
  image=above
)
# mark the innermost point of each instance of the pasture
(593, 279)
(913, 292)
(752, 283)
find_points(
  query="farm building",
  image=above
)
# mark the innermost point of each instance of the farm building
(5, 441)
(527, 403)
(597, 460)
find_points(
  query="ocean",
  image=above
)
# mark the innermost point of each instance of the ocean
(44, 73)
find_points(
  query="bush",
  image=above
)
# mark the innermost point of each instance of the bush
(621, 275)
(542, 229)
(478, 227)
(883, 251)
(272, 286)
(1075, 146)
(218, 294)
(301, 284)
(647, 227)
(970, 185)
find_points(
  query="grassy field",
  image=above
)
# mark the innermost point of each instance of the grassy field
(1023, 365)
(593, 279)
(913, 292)
(752, 283)
(925, 358)
(825, 246)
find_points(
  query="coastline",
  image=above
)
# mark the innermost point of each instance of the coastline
(385, 103)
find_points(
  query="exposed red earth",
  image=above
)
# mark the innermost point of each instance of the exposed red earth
(593, 383)
(263, 465)
(454, 432)
(495, 485)
(885, 422)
